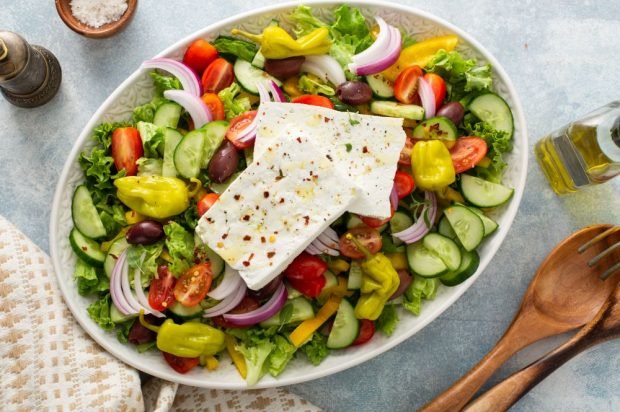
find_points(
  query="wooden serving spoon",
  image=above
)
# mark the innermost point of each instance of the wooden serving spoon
(563, 295)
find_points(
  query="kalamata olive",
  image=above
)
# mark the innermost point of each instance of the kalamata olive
(405, 281)
(354, 92)
(284, 68)
(138, 334)
(146, 232)
(224, 162)
(453, 111)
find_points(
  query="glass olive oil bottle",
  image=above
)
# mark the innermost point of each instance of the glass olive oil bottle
(582, 153)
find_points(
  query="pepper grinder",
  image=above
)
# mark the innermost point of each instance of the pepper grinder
(30, 75)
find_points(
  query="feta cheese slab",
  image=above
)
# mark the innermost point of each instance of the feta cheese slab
(364, 148)
(275, 209)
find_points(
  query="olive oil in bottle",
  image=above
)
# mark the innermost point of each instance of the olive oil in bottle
(585, 152)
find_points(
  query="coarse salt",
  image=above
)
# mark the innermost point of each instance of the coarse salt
(96, 13)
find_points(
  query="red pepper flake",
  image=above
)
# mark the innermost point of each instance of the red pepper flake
(246, 263)
(365, 149)
(247, 238)
(209, 220)
(257, 208)
(307, 220)
(262, 239)
(265, 195)
(327, 119)
(329, 158)
(225, 235)
(271, 254)
(279, 178)
(298, 140)
(246, 217)
(237, 197)
(281, 200)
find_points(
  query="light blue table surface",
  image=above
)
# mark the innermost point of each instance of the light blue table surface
(564, 60)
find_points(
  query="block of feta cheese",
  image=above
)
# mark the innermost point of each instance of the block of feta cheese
(364, 148)
(280, 203)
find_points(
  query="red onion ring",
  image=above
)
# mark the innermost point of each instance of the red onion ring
(427, 96)
(273, 305)
(313, 250)
(268, 91)
(131, 299)
(394, 198)
(419, 228)
(378, 46)
(197, 109)
(226, 305)
(276, 92)
(389, 56)
(230, 282)
(116, 291)
(186, 76)
(324, 67)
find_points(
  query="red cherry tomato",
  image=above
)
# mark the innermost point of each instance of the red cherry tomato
(368, 237)
(313, 100)
(406, 85)
(405, 153)
(179, 364)
(206, 202)
(236, 128)
(248, 304)
(404, 184)
(467, 153)
(199, 55)
(161, 290)
(215, 105)
(305, 274)
(217, 76)
(373, 222)
(126, 149)
(439, 88)
(194, 284)
(367, 331)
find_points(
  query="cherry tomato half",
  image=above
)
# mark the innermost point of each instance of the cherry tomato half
(305, 274)
(161, 290)
(374, 222)
(439, 88)
(206, 202)
(126, 149)
(217, 76)
(406, 85)
(404, 184)
(194, 284)
(199, 55)
(467, 153)
(179, 364)
(313, 100)
(405, 153)
(248, 304)
(367, 331)
(369, 238)
(215, 105)
(236, 128)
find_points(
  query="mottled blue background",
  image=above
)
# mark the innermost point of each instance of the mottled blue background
(563, 58)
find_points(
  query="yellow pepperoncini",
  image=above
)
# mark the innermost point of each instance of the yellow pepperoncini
(419, 54)
(189, 340)
(431, 164)
(276, 43)
(379, 281)
(154, 196)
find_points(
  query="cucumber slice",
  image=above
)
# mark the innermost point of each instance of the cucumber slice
(217, 263)
(354, 221)
(469, 265)
(117, 317)
(258, 60)
(247, 75)
(214, 136)
(114, 252)
(292, 292)
(301, 310)
(494, 110)
(354, 280)
(393, 109)
(444, 248)
(489, 224)
(346, 327)
(400, 221)
(423, 262)
(483, 193)
(380, 86)
(188, 154)
(171, 139)
(467, 226)
(186, 312)
(439, 127)
(167, 115)
(84, 213)
(445, 229)
(219, 188)
(86, 249)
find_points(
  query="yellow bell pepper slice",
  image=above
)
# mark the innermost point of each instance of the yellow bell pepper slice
(399, 260)
(210, 362)
(338, 265)
(306, 328)
(236, 356)
(419, 54)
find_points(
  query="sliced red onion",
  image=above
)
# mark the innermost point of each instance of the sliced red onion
(137, 285)
(197, 109)
(419, 228)
(268, 91)
(263, 94)
(129, 296)
(427, 96)
(116, 291)
(229, 303)
(276, 92)
(230, 282)
(378, 47)
(273, 305)
(327, 242)
(324, 67)
(383, 60)
(331, 234)
(186, 76)
(313, 250)
(394, 198)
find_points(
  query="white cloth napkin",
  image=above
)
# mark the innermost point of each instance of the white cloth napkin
(48, 362)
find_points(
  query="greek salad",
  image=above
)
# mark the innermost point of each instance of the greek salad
(149, 179)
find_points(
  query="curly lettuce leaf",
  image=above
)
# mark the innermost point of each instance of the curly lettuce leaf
(144, 258)
(281, 354)
(316, 349)
(99, 311)
(242, 49)
(387, 321)
(313, 85)
(233, 105)
(152, 139)
(88, 280)
(498, 143)
(163, 83)
(150, 167)
(420, 289)
(180, 245)
(462, 76)
(256, 359)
